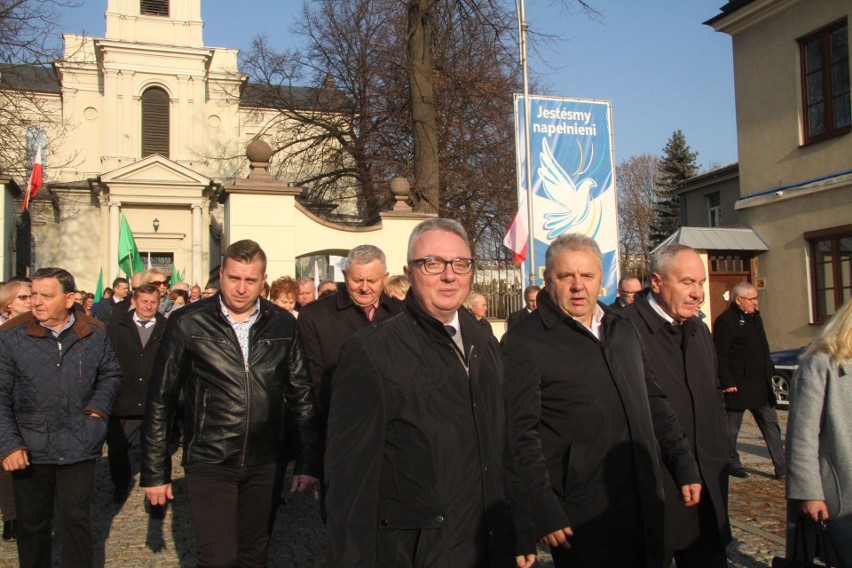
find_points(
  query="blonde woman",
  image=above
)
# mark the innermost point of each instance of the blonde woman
(397, 286)
(819, 432)
(14, 299)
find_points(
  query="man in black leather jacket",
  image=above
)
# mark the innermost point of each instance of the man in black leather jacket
(239, 360)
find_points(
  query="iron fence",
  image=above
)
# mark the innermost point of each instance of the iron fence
(502, 284)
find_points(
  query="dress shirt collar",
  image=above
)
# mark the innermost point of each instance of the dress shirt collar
(652, 301)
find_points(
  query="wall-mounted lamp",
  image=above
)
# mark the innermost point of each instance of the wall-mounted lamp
(156, 224)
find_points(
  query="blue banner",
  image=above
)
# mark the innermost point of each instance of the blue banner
(573, 177)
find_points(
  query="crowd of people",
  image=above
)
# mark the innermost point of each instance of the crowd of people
(607, 433)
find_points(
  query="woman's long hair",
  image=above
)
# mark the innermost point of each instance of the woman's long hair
(836, 336)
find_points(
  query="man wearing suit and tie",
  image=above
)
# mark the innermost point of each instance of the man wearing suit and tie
(135, 337)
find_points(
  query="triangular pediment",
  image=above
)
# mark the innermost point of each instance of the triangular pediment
(154, 170)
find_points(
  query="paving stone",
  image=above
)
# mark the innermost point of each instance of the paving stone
(126, 537)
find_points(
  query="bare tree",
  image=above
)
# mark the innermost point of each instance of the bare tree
(340, 140)
(356, 126)
(29, 93)
(637, 199)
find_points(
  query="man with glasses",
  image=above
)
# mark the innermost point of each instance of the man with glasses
(416, 459)
(628, 287)
(745, 373)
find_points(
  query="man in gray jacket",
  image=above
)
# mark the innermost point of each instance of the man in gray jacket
(58, 382)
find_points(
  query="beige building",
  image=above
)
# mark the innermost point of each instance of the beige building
(792, 186)
(149, 123)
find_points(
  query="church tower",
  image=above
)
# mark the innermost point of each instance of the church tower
(166, 22)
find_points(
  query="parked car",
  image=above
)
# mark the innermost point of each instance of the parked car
(786, 362)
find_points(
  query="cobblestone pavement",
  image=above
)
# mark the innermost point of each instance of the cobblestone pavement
(126, 537)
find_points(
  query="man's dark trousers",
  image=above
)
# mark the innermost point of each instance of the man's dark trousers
(35, 490)
(230, 511)
(767, 421)
(120, 435)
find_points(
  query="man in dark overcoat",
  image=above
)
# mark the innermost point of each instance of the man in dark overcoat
(328, 322)
(683, 359)
(417, 456)
(745, 373)
(530, 293)
(589, 423)
(135, 337)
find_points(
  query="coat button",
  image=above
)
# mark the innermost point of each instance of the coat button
(385, 522)
(439, 519)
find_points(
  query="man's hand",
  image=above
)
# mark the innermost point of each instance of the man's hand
(525, 561)
(691, 494)
(16, 460)
(159, 495)
(559, 538)
(814, 510)
(730, 389)
(303, 483)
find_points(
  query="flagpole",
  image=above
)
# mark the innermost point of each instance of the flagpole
(522, 35)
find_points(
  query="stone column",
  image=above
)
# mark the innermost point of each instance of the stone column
(114, 229)
(197, 213)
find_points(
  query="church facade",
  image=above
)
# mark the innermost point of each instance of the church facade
(150, 124)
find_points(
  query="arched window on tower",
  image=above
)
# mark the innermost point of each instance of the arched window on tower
(155, 122)
(154, 8)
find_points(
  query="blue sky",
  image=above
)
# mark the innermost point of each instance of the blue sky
(658, 64)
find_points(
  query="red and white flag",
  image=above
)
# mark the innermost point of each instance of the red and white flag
(36, 179)
(518, 234)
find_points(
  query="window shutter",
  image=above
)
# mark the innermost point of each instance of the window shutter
(155, 122)
(154, 7)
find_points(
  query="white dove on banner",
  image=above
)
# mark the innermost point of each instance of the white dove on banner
(571, 206)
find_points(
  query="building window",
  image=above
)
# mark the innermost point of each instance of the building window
(831, 269)
(154, 7)
(728, 262)
(155, 122)
(162, 261)
(714, 210)
(827, 109)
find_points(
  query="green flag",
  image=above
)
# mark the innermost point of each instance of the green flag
(128, 255)
(99, 289)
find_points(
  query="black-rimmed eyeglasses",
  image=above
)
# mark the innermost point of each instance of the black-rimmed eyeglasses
(437, 265)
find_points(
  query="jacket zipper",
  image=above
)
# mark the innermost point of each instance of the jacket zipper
(204, 398)
(458, 355)
(246, 370)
